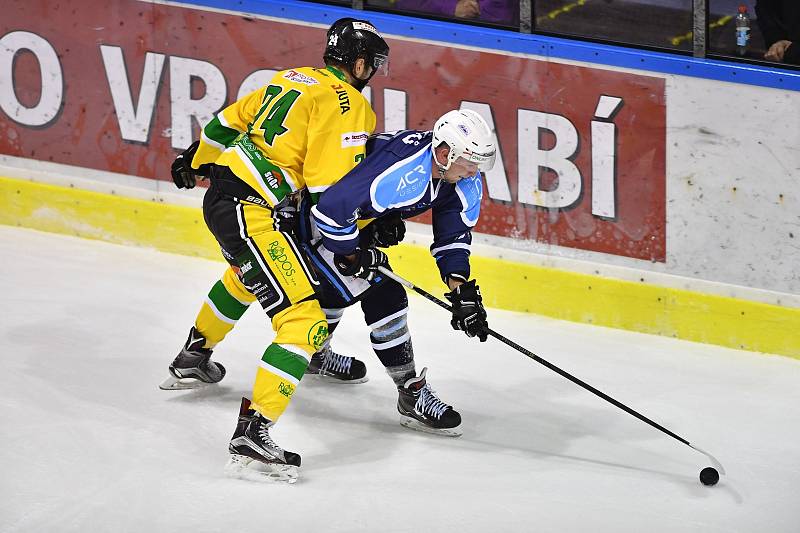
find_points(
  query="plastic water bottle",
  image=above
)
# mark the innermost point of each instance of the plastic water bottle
(742, 30)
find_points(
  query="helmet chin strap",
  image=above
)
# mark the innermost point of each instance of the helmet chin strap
(358, 83)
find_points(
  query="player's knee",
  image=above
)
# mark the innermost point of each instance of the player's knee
(233, 284)
(303, 325)
(385, 300)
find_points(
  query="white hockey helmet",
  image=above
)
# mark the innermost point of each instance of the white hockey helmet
(468, 136)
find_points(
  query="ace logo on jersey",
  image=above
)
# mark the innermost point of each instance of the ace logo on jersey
(410, 178)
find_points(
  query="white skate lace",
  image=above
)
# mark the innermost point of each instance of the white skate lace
(428, 402)
(335, 362)
(263, 432)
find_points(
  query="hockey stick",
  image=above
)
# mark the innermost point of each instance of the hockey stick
(557, 370)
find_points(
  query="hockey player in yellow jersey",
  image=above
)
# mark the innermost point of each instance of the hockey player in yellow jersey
(302, 131)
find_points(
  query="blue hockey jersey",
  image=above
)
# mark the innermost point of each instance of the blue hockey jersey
(397, 176)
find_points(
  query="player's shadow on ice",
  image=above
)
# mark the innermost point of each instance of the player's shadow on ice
(211, 394)
(358, 423)
(347, 418)
(538, 417)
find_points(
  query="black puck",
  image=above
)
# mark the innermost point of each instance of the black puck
(709, 476)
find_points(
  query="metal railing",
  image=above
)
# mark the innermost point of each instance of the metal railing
(696, 34)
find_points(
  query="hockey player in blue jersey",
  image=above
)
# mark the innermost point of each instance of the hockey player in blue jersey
(405, 173)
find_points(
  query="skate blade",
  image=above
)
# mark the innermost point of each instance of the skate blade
(416, 425)
(321, 378)
(173, 383)
(243, 467)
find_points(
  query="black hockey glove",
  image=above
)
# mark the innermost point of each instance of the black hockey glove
(469, 315)
(286, 216)
(184, 176)
(388, 230)
(365, 265)
(286, 220)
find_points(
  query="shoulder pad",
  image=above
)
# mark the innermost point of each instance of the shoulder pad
(402, 183)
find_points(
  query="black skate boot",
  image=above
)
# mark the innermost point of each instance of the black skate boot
(337, 368)
(422, 410)
(193, 367)
(254, 455)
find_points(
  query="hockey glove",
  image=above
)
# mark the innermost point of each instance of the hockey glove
(365, 265)
(388, 230)
(286, 220)
(286, 216)
(469, 315)
(184, 176)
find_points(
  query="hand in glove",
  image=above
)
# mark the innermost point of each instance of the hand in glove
(468, 313)
(286, 219)
(364, 265)
(388, 230)
(184, 176)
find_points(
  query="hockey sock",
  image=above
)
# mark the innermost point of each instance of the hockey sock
(224, 306)
(391, 341)
(332, 316)
(301, 331)
(281, 369)
(401, 374)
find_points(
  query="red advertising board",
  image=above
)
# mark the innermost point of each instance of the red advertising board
(123, 88)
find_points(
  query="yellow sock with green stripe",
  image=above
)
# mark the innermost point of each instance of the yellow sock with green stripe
(281, 369)
(219, 314)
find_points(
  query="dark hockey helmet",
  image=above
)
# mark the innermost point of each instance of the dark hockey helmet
(350, 39)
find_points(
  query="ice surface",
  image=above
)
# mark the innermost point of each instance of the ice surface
(89, 442)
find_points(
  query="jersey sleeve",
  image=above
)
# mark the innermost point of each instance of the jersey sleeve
(226, 126)
(338, 211)
(336, 140)
(394, 176)
(453, 219)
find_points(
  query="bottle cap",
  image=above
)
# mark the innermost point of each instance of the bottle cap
(742, 8)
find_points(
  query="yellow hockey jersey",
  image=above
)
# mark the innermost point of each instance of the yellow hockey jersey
(306, 128)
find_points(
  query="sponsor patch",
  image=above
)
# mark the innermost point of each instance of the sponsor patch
(299, 77)
(354, 138)
(355, 215)
(286, 389)
(317, 334)
(256, 200)
(279, 257)
(273, 180)
(364, 26)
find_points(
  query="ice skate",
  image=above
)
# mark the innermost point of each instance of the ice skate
(254, 455)
(422, 410)
(193, 367)
(336, 368)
